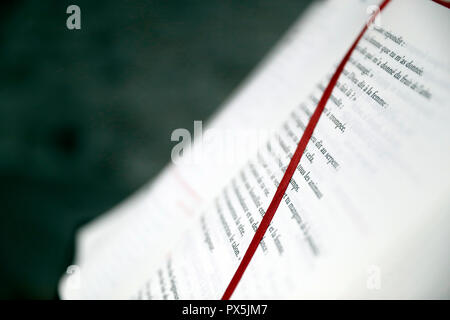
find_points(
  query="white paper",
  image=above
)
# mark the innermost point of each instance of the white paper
(367, 212)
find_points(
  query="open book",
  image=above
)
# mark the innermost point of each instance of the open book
(367, 211)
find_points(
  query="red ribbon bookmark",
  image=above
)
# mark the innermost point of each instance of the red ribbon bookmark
(259, 234)
(443, 3)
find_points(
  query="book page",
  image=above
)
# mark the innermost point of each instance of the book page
(366, 212)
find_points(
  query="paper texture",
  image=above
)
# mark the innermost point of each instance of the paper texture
(366, 214)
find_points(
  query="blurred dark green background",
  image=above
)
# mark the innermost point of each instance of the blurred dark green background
(86, 115)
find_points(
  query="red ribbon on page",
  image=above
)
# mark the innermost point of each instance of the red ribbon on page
(443, 3)
(295, 160)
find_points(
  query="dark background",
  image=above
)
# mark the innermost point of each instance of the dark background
(86, 115)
